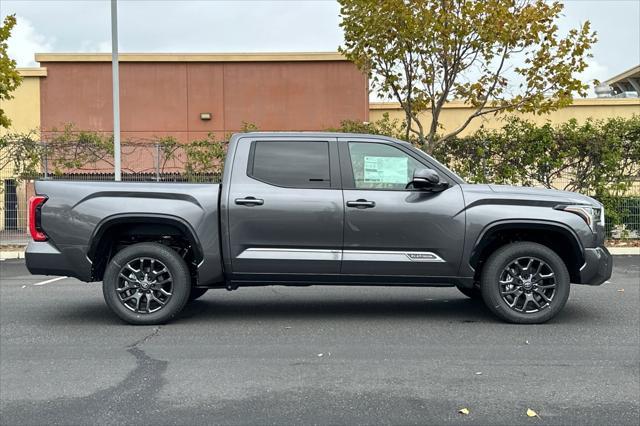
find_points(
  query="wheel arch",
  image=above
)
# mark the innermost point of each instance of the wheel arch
(556, 236)
(151, 225)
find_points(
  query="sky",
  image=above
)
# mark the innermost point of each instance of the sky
(261, 26)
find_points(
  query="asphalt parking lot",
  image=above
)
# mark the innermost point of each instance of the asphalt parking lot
(318, 355)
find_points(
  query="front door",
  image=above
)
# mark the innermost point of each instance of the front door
(286, 210)
(394, 233)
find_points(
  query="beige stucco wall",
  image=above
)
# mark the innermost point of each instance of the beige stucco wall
(24, 112)
(24, 108)
(454, 113)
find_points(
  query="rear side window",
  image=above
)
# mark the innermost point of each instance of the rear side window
(295, 164)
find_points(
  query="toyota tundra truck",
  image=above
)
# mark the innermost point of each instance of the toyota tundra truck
(299, 209)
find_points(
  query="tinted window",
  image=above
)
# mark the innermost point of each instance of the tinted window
(292, 164)
(380, 166)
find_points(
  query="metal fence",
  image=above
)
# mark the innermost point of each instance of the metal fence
(145, 162)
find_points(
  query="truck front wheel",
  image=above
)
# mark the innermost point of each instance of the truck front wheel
(146, 284)
(525, 283)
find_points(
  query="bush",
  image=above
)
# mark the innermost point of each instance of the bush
(597, 157)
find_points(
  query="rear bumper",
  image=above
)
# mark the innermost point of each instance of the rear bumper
(598, 266)
(43, 258)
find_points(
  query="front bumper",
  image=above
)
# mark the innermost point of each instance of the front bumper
(598, 266)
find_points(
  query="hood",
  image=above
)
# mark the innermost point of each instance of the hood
(504, 194)
(543, 193)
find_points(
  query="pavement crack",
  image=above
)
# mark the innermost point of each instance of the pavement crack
(144, 339)
(138, 389)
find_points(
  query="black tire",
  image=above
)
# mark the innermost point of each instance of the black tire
(472, 293)
(497, 267)
(196, 293)
(176, 271)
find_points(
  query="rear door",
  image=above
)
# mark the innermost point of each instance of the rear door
(390, 232)
(285, 209)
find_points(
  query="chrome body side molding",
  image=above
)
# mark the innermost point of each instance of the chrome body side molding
(290, 254)
(347, 255)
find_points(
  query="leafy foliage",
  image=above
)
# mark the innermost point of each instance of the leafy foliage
(204, 155)
(76, 149)
(67, 149)
(21, 153)
(425, 53)
(9, 77)
(385, 126)
(597, 157)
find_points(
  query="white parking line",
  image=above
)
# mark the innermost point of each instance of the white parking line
(50, 281)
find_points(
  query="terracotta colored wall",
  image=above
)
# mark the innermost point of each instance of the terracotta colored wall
(167, 98)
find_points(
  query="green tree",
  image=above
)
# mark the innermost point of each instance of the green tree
(495, 55)
(9, 77)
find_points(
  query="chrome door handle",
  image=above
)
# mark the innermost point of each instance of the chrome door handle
(361, 204)
(249, 201)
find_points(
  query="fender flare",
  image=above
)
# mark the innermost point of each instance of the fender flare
(108, 222)
(501, 225)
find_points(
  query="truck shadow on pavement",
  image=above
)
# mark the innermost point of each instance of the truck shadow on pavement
(447, 311)
(209, 309)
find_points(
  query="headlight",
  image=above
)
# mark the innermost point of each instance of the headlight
(592, 215)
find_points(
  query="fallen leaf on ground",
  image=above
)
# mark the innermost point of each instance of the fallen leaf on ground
(464, 411)
(532, 413)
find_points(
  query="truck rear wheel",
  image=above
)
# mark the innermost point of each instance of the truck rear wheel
(146, 284)
(525, 283)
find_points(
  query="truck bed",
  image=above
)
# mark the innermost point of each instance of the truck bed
(76, 212)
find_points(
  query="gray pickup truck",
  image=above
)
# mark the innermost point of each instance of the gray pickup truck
(319, 208)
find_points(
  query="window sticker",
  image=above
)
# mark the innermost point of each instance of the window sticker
(386, 169)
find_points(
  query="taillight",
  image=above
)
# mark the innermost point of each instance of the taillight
(35, 206)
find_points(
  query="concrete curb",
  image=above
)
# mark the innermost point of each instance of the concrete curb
(617, 251)
(624, 250)
(13, 254)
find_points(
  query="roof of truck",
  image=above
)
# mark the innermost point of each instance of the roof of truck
(317, 134)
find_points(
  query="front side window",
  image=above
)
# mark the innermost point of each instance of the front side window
(380, 166)
(292, 164)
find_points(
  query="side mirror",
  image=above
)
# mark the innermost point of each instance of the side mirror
(428, 180)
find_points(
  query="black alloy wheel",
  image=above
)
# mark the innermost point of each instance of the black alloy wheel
(525, 283)
(146, 284)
